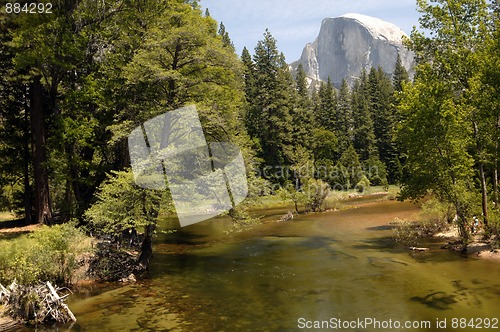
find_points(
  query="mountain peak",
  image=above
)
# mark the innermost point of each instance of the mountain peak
(378, 28)
(350, 43)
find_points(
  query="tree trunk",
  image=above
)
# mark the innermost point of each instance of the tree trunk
(43, 211)
(26, 165)
(482, 177)
(495, 167)
(484, 194)
(147, 246)
(495, 186)
(147, 243)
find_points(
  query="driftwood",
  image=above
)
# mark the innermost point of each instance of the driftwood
(113, 264)
(286, 216)
(35, 304)
(419, 249)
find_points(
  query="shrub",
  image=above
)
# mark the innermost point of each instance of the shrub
(405, 232)
(48, 254)
(122, 206)
(438, 213)
(363, 184)
(316, 192)
(290, 193)
(434, 217)
(494, 229)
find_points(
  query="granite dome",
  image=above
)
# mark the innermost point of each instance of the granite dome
(350, 43)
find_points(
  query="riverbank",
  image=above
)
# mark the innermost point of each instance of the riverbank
(477, 248)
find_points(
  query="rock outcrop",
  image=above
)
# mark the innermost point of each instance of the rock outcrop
(347, 44)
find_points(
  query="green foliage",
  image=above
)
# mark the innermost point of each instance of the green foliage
(376, 173)
(324, 144)
(445, 132)
(315, 191)
(292, 193)
(437, 212)
(364, 140)
(363, 184)
(434, 217)
(495, 229)
(350, 169)
(50, 253)
(121, 205)
(400, 76)
(311, 195)
(344, 122)
(326, 106)
(271, 97)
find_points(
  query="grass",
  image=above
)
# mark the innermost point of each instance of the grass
(6, 216)
(48, 253)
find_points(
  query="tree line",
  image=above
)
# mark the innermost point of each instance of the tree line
(349, 130)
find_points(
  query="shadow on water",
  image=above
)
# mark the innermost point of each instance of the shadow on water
(219, 257)
(379, 243)
(380, 228)
(436, 300)
(182, 237)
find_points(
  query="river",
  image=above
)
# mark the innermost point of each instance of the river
(283, 276)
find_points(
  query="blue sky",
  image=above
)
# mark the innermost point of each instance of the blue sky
(296, 22)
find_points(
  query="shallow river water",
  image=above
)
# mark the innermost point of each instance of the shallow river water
(284, 276)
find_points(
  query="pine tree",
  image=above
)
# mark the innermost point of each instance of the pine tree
(344, 124)
(15, 147)
(269, 117)
(384, 119)
(400, 75)
(326, 106)
(363, 136)
(303, 114)
(226, 41)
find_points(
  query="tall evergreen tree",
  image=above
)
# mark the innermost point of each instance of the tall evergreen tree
(363, 136)
(50, 72)
(15, 142)
(400, 75)
(303, 114)
(384, 119)
(326, 106)
(269, 118)
(226, 41)
(344, 124)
